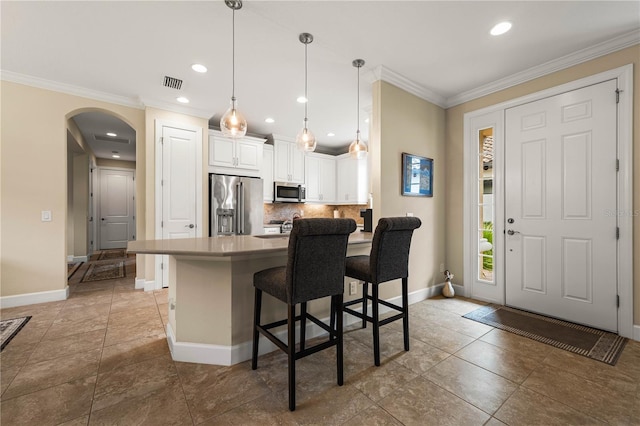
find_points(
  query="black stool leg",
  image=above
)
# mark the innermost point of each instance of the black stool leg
(376, 325)
(365, 293)
(339, 299)
(405, 312)
(303, 324)
(291, 355)
(257, 307)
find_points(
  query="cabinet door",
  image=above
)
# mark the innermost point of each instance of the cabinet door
(248, 155)
(346, 185)
(281, 161)
(267, 174)
(296, 164)
(221, 152)
(327, 180)
(313, 178)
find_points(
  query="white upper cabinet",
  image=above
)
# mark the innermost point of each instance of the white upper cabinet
(267, 172)
(241, 156)
(320, 171)
(352, 180)
(288, 163)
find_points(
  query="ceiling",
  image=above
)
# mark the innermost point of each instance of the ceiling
(121, 51)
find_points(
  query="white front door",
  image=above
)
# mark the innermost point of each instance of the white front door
(179, 187)
(560, 201)
(116, 208)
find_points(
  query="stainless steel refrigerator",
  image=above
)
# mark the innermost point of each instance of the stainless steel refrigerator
(235, 205)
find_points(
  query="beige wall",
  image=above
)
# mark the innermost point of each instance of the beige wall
(454, 151)
(34, 178)
(405, 123)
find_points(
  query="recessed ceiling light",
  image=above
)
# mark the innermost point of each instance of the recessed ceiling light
(269, 120)
(199, 68)
(115, 156)
(331, 134)
(302, 99)
(113, 135)
(182, 100)
(500, 28)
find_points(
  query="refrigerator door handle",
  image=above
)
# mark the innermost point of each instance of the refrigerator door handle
(241, 208)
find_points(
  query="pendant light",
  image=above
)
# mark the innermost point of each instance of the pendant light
(305, 140)
(358, 148)
(232, 123)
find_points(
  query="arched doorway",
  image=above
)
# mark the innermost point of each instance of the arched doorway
(101, 154)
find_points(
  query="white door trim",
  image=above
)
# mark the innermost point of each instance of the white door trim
(624, 209)
(158, 187)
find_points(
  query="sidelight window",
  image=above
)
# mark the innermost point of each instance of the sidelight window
(486, 205)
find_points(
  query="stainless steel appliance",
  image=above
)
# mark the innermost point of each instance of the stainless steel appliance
(235, 205)
(288, 193)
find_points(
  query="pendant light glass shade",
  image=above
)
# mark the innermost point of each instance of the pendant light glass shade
(305, 140)
(358, 148)
(232, 123)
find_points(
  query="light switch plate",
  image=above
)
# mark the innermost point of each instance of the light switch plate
(46, 215)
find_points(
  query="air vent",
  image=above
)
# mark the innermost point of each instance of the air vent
(110, 139)
(172, 82)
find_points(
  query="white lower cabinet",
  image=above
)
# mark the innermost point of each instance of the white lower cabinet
(320, 178)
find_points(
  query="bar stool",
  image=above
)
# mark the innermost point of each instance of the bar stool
(315, 269)
(388, 260)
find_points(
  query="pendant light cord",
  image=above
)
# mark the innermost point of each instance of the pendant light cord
(358, 111)
(305, 85)
(233, 55)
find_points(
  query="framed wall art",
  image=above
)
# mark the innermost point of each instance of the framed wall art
(417, 175)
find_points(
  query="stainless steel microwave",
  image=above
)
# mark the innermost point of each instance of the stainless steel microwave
(288, 193)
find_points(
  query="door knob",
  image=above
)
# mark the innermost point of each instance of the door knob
(191, 225)
(102, 218)
(512, 232)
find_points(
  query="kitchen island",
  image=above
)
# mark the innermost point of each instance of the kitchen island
(211, 292)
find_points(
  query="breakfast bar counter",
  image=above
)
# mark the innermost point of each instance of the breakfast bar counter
(211, 292)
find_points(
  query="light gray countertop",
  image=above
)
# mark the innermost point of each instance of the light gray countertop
(226, 246)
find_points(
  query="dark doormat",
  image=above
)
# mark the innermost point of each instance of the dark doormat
(590, 342)
(9, 328)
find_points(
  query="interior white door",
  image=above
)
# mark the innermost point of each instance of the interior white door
(179, 189)
(116, 208)
(560, 200)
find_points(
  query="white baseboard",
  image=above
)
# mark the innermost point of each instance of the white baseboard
(229, 355)
(77, 259)
(636, 333)
(148, 285)
(33, 298)
(139, 283)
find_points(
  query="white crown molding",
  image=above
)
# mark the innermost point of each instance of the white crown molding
(575, 58)
(70, 89)
(181, 109)
(386, 74)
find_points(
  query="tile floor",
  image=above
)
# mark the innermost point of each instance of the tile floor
(101, 358)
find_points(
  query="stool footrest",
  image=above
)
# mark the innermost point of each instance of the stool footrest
(264, 329)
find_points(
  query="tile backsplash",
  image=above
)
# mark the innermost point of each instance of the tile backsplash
(284, 211)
